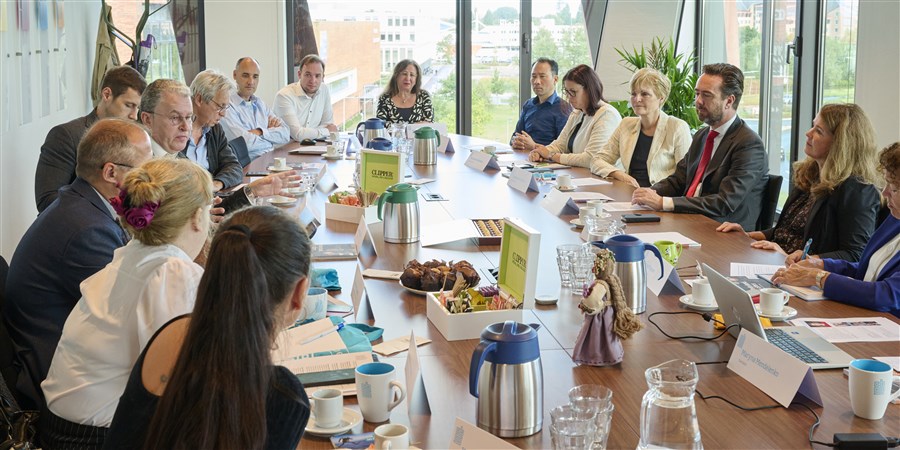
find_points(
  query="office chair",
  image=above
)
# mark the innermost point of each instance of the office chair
(239, 145)
(769, 203)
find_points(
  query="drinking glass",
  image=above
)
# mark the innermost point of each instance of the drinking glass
(565, 271)
(582, 265)
(597, 399)
(572, 429)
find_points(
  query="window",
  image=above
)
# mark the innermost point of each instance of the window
(390, 38)
(412, 37)
(382, 36)
(390, 22)
(839, 62)
(559, 34)
(405, 21)
(412, 22)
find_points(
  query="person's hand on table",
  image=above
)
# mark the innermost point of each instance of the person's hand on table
(768, 245)
(810, 261)
(620, 175)
(273, 184)
(798, 275)
(216, 213)
(647, 197)
(522, 141)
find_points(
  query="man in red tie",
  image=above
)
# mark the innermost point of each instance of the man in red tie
(724, 173)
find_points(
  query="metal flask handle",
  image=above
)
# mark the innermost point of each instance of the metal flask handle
(381, 199)
(359, 134)
(481, 352)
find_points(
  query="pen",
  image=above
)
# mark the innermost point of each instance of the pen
(806, 249)
(322, 334)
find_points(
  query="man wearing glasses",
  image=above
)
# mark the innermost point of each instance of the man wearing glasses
(544, 116)
(71, 240)
(120, 97)
(249, 117)
(208, 145)
(305, 106)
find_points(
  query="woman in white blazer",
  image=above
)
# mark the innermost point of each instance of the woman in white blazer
(649, 145)
(589, 126)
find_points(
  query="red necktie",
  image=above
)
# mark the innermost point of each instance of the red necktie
(704, 161)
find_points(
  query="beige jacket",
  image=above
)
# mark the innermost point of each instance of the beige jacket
(670, 142)
(591, 138)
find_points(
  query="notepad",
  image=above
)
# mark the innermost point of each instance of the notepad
(674, 236)
(299, 341)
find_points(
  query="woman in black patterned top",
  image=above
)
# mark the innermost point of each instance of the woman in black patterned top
(835, 199)
(404, 100)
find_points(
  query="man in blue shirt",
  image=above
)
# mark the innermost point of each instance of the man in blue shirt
(544, 116)
(249, 117)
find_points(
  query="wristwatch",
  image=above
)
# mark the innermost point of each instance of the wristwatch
(251, 197)
(821, 277)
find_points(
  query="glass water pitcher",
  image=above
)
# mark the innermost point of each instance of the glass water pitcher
(668, 415)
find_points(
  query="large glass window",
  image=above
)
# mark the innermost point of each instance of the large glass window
(495, 68)
(361, 46)
(839, 62)
(558, 32)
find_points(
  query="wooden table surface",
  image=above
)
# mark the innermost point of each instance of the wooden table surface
(445, 365)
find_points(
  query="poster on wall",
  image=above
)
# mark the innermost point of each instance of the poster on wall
(3, 15)
(42, 58)
(43, 14)
(59, 13)
(24, 59)
(59, 53)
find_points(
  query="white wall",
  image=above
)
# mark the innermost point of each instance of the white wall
(20, 144)
(235, 29)
(878, 67)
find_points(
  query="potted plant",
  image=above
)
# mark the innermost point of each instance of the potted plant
(680, 70)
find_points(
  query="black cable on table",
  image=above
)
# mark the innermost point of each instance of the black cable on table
(706, 316)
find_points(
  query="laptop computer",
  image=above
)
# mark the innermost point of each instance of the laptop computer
(737, 307)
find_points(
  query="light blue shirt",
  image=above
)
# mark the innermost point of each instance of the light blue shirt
(245, 115)
(197, 152)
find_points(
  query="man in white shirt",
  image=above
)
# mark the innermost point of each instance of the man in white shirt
(304, 106)
(249, 117)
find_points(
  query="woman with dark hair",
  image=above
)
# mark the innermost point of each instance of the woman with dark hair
(873, 282)
(834, 201)
(589, 126)
(404, 100)
(206, 380)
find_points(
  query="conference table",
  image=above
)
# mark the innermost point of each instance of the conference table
(445, 365)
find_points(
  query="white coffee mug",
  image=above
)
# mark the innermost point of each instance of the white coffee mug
(870, 388)
(597, 205)
(335, 136)
(586, 211)
(564, 180)
(315, 305)
(328, 407)
(772, 301)
(392, 436)
(375, 391)
(489, 149)
(280, 163)
(331, 150)
(701, 293)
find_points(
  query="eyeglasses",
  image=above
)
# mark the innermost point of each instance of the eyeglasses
(570, 92)
(221, 108)
(177, 120)
(121, 165)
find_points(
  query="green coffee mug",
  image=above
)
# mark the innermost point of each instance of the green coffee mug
(671, 251)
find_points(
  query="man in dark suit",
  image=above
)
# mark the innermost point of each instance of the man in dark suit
(70, 241)
(120, 97)
(724, 173)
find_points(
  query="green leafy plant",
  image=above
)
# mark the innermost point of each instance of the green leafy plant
(678, 67)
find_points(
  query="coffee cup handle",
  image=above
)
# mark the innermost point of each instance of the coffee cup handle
(786, 297)
(397, 401)
(680, 249)
(896, 393)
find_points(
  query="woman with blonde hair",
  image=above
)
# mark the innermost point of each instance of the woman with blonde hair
(650, 144)
(164, 205)
(835, 201)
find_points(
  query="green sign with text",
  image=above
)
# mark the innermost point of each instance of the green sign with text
(380, 170)
(514, 261)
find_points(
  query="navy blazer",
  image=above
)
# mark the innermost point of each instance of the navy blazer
(734, 180)
(845, 284)
(56, 165)
(70, 241)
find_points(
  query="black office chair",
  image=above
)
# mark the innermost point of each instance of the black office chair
(7, 354)
(769, 202)
(239, 145)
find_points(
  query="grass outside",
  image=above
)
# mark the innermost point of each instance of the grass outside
(501, 123)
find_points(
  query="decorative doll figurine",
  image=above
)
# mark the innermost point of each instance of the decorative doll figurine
(608, 318)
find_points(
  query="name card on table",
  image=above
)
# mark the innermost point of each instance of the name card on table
(362, 231)
(326, 183)
(413, 374)
(772, 370)
(469, 437)
(558, 202)
(669, 275)
(358, 292)
(380, 170)
(482, 161)
(522, 180)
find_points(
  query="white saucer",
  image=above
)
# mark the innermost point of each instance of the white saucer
(332, 157)
(279, 200)
(688, 301)
(275, 169)
(786, 313)
(577, 222)
(296, 191)
(350, 419)
(565, 189)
